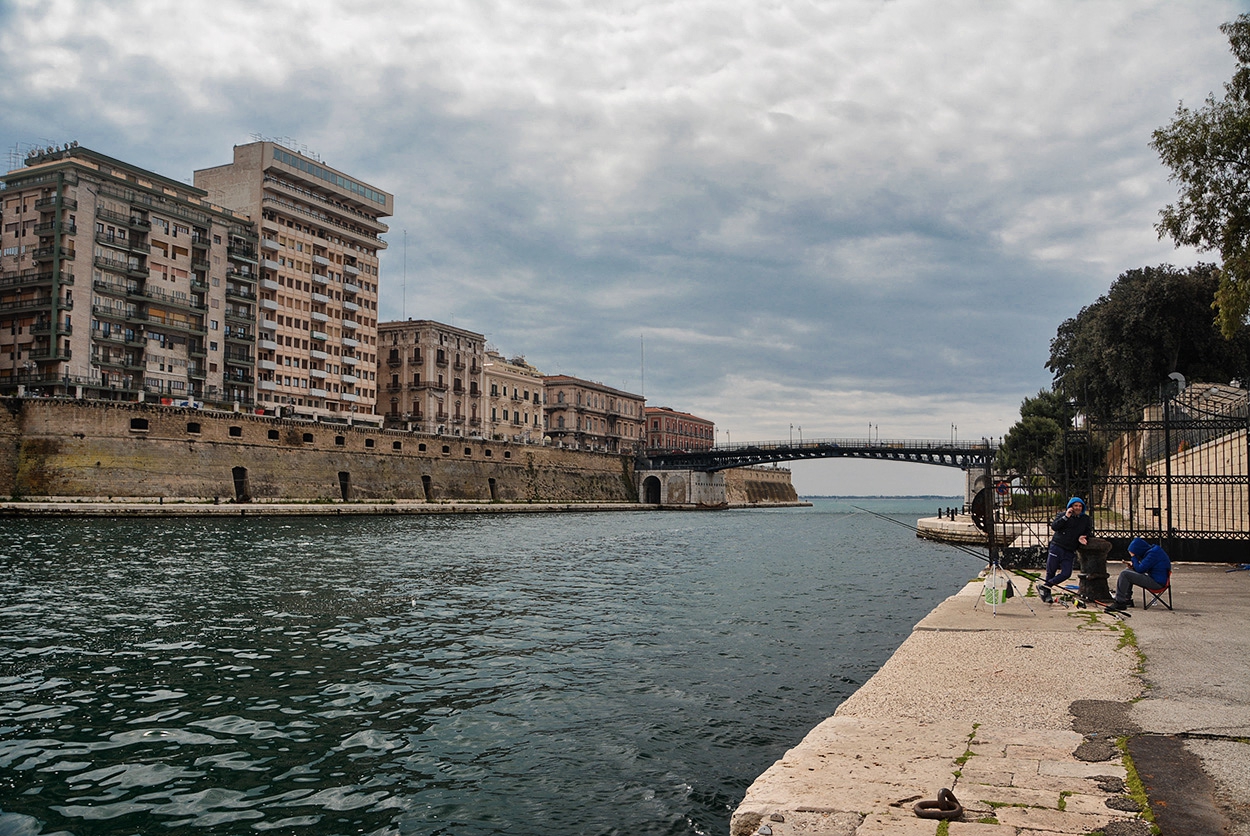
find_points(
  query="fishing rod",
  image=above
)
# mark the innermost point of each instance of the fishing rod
(959, 546)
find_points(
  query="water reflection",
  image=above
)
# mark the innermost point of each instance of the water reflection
(620, 673)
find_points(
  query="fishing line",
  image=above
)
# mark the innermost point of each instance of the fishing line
(965, 549)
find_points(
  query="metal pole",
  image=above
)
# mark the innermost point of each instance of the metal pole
(1167, 469)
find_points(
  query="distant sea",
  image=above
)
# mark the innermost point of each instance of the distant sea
(622, 673)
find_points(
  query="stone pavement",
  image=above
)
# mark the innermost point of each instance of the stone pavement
(1018, 710)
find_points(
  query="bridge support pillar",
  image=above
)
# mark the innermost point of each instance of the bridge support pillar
(692, 488)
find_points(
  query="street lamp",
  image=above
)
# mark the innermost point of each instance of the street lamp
(792, 435)
(800, 436)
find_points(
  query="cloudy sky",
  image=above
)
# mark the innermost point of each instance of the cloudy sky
(832, 215)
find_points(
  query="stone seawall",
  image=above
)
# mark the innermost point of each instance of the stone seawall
(759, 486)
(69, 449)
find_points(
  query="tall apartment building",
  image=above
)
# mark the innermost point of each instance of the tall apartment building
(668, 429)
(514, 399)
(586, 415)
(431, 377)
(165, 281)
(318, 298)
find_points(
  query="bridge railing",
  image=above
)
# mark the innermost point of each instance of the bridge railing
(890, 443)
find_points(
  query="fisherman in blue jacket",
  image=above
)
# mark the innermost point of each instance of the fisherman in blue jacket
(1149, 567)
(1072, 530)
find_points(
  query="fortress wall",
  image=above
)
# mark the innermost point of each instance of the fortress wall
(63, 448)
(759, 486)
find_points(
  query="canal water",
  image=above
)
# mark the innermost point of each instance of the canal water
(613, 673)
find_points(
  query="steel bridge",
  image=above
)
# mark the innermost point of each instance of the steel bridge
(965, 455)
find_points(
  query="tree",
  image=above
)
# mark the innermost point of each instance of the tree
(1208, 151)
(1113, 356)
(1035, 444)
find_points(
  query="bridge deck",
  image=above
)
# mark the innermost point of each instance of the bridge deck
(963, 455)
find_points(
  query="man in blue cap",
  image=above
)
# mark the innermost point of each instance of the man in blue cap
(1149, 567)
(1072, 530)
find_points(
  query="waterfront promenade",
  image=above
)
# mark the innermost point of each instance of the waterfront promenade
(1020, 714)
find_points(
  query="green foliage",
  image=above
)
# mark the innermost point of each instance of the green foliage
(1035, 444)
(1208, 151)
(1113, 356)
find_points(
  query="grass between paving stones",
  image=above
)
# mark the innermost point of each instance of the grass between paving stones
(1136, 789)
(968, 753)
(1063, 799)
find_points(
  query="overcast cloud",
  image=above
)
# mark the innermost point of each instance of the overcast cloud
(829, 215)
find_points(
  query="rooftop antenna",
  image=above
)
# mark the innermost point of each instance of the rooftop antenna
(404, 304)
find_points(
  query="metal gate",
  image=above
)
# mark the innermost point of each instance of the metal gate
(1179, 476)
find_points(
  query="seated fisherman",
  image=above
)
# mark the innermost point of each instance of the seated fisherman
(1149, 568)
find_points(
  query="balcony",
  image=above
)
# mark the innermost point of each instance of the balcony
(199, 264)
(351, 307)
(348, 396)
(318, 354)
(133, 270)
(458, 365)
(241, 293)
(350, 343)
(350, 379)
(239, 335)
(394, 362)
(269, 284)
(46, 327)
(320, 260)
(30, 278)
(200, 286)
(320, 298)
(350, 324)
(240, 275)
(441, 360)
(348, 360)
(430, 385)
(132, 221)
(48, 354)
(197, 371)
(267, 365)
(348, 287)
(268, 305)
(320, 279)
(28, 304)
(394, 387)
(270, 264)
(320, 374)
(318, 393)
(351, 269)
(241, 253)
(53, 227)
(320, 336)
(122, 243)
(239, 358)
(267, 385)
(318, 316)
(269, 244)
(56, 202)
(52, 253)
(268, 345)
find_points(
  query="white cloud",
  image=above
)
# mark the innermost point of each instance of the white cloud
(814, 212)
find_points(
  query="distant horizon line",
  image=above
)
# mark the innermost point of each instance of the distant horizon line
(879, 496)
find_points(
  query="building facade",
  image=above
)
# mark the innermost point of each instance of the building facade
(431, 377)
(165, 284)
(668, 429)
(586, 415)
(317, 350)
(514, 399)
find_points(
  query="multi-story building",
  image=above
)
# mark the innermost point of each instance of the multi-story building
(318, 298)
(514, 399)
(586, 415)
(431, 376)
(668, 429)
(165, 281)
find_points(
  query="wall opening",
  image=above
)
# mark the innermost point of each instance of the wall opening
(193, 427)
(241, 492)
(345, 485)
(651, 490)
(494, 490)
(236, 432)
(139, 424)
(273, 435)
(426, 489)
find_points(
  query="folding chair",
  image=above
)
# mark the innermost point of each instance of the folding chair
(1156, 595)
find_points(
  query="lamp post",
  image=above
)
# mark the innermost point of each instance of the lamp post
(800, 436)
(792, 435)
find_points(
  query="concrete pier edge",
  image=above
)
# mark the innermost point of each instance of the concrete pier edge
(1021, 710)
